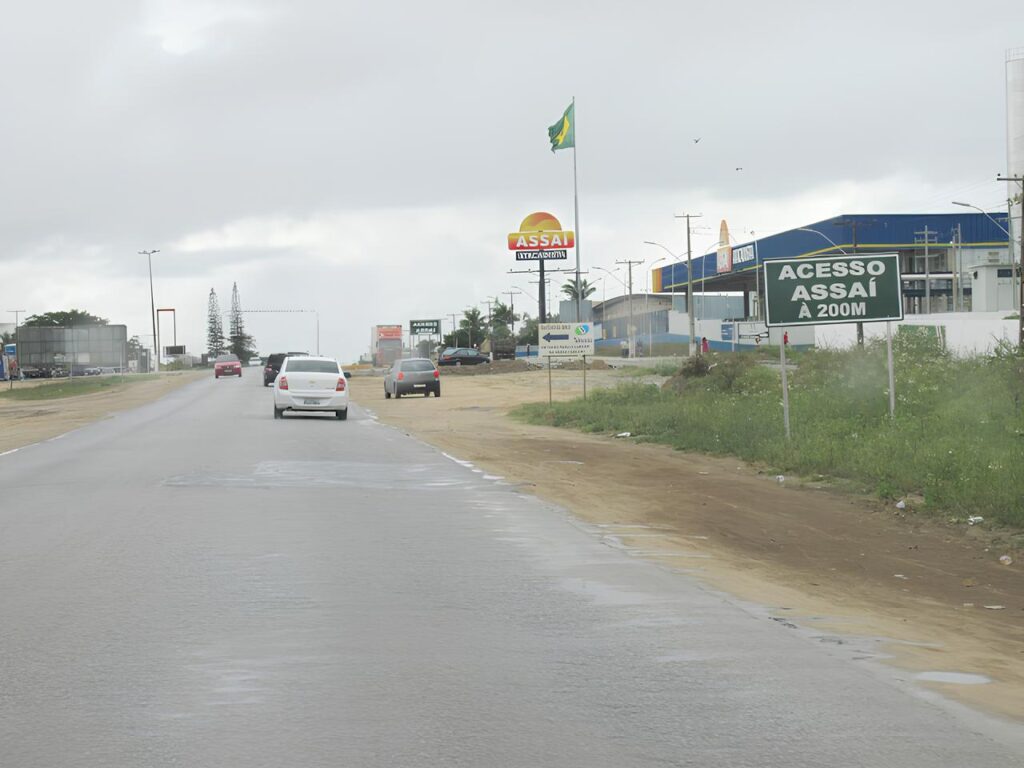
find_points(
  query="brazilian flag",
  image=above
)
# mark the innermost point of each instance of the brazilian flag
(563, 133)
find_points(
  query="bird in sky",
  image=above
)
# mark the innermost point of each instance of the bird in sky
(695, 141)
(738, 168)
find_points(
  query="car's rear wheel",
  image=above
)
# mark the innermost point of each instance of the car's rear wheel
(437, 392)
(397, 394)
(342, 414)
(387, 395)
(278, 412)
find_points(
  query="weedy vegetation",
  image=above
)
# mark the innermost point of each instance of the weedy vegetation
(957, 440)
(87, 385)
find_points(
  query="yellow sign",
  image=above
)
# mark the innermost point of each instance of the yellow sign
(541, 232)
(724, 260)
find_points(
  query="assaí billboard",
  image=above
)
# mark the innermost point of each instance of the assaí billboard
(541, 236)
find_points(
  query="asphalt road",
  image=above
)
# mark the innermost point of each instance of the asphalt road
(195, 584)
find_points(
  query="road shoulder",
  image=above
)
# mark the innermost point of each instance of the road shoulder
(836, 564)
(25, 422)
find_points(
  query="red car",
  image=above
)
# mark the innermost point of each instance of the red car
(227, 365)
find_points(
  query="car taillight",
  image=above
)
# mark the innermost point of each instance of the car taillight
(283, 384)
(341, 384)
(437, 374)
(401, 375)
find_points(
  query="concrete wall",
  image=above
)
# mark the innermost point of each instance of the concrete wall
(965, 332)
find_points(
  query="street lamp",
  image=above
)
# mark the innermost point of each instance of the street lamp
(1009, 244)
(982, 210)
(152, 306)
(528, 294)
(822, 234)
(664, 248)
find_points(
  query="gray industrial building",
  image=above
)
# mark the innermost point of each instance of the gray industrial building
(46, 349)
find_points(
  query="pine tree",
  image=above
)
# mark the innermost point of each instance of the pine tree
(214, 327)
(239, 342)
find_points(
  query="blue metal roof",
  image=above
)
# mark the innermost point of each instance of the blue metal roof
(883, 232)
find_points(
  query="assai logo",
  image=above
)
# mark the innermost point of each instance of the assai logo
(541, 232)
(582, 330)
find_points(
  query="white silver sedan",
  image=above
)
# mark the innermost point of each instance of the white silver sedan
(311, 384)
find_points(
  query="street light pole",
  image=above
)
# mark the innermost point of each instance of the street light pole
(689, 278)
(1020, 267)
(152, 306)
(630, 330)
(512, 307)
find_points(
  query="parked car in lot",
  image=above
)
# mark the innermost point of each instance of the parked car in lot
(227, 365)
(416, 374)
(316, 384)
(462, 356)
(273, 366)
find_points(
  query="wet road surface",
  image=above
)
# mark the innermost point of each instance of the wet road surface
(195, 584)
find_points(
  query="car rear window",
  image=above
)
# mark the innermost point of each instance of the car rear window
(417, 365)
(299, 365)
(226, 358)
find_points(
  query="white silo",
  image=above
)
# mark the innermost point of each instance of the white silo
(1015, 141)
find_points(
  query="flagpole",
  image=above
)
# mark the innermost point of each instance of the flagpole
(576, 212)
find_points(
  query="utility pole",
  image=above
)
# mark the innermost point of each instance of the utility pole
(542, 315)
(689, 279)
(927, 235)
(958, 292)
(512, 307)
(490, 328)
(629, 286)
(455, 333)
(853, 224)
(152, 306)
(1020, 263)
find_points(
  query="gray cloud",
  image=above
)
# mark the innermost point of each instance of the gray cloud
(135, 125)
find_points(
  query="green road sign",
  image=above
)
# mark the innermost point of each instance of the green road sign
(424, 327)
(833, 289)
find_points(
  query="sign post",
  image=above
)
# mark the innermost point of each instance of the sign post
(834, 289)
(572, 341)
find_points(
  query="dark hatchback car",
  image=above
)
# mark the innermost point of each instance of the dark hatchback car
(273, 366)
(415, 374)
(462, 356)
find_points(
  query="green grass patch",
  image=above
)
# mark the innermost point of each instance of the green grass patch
(86, 385)
(957, 441)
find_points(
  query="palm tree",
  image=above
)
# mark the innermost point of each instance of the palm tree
(586, 289)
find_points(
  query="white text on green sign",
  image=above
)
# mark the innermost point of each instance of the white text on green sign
(833, 289)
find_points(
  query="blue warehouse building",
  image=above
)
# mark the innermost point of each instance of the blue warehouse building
(949, 262)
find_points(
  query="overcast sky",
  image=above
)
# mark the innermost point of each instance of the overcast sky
(367, 160)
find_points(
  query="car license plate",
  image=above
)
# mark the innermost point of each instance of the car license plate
(309, 401)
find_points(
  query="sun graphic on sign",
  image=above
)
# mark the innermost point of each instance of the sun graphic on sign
(540, 222)
(540, 231)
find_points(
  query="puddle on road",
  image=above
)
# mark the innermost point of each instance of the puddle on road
(956, 678)
(327, 474)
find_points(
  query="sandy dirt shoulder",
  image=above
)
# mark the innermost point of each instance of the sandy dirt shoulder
(23, 422)
(912, 587)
